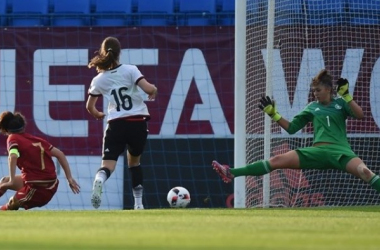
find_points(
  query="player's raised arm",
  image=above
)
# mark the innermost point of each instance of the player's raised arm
(342, 90)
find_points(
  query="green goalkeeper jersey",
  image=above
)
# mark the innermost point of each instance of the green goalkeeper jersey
(329, 122)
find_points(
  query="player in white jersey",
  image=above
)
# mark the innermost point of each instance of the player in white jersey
(127, 116)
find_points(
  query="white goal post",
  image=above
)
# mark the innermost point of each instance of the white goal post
(240, 89)
(240, 103)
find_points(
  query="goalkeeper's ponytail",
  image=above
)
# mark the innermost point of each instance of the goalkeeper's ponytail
(323, 78)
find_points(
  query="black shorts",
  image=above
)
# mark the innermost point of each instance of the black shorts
(121, 134)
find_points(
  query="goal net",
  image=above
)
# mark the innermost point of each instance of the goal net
(287, 43)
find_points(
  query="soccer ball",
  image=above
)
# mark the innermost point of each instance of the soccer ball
(178, 197)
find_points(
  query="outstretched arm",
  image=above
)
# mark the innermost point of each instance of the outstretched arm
(283, 123)
(66, 168)
(269, 107)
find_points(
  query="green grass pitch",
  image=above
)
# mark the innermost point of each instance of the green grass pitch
(312, 228)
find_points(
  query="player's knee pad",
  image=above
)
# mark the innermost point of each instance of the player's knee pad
(13, 204)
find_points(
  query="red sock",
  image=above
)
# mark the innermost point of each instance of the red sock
(4, 207)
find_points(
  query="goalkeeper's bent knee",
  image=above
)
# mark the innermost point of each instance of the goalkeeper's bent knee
(364, 173)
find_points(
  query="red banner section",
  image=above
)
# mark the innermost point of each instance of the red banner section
(44, 74)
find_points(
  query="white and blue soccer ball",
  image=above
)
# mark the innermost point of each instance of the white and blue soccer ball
(178, 197)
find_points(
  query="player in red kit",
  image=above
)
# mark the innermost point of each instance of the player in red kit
(37, 183)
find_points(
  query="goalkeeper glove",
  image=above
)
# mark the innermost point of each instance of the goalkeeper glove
(269, 107)
(342, 89)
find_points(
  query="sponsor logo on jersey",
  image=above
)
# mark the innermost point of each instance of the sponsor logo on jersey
(337, 106)
(317, 109)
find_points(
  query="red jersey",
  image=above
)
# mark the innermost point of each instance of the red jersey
(35, 161)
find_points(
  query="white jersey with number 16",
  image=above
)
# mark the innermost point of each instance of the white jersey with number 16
(119, 87)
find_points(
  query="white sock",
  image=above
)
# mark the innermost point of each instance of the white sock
(138, 193)
(101, 175)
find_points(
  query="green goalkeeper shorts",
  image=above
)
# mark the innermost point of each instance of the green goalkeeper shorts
(329, 156)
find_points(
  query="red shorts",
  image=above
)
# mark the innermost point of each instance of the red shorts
(36, 195)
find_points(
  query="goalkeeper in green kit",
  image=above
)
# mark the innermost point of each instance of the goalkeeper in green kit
(330, 149)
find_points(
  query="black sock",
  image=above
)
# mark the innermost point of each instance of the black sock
(136, 176)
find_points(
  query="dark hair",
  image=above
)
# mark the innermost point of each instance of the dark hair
(108, 55)
(12, 123)
(324, 78)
